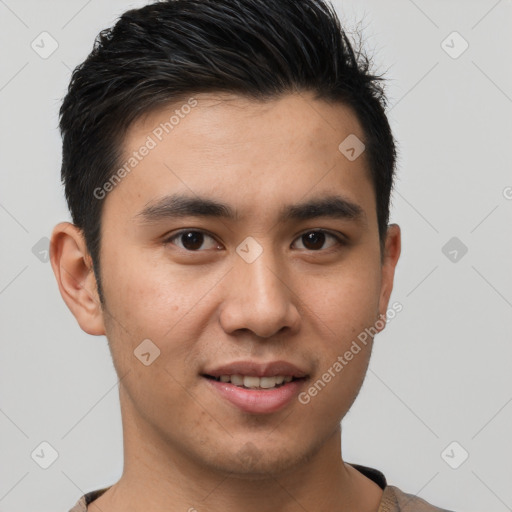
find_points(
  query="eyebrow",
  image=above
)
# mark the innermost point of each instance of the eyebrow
(179, 206)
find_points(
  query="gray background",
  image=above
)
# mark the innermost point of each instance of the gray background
(440, 371)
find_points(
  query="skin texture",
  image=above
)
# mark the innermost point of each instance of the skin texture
(185, 446)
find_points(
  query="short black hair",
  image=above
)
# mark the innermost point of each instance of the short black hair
(169, 50)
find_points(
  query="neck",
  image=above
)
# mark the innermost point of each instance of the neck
(163, 477)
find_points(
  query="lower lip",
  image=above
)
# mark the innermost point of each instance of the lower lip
(255, 400)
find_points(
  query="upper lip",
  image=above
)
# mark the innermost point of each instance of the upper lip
(254, 369)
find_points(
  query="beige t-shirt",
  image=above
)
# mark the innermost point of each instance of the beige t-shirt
(393, 499)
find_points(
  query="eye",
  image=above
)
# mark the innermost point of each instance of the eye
(192, 240)
(314, 240)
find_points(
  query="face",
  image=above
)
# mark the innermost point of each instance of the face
(259, 277)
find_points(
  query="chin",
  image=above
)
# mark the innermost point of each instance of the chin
(253, 463)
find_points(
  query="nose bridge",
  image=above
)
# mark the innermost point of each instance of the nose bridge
(262, 277)
(258, 298)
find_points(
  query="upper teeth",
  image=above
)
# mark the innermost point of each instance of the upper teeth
(255, 382)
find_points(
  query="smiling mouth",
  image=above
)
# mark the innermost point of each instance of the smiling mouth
(256, 383)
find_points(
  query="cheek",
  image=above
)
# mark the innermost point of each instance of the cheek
(147, 302)
(158, 301)
(140, 306)
(145, 293)
(346, 301)
(333, 391)
(342, 308)
(341, 319)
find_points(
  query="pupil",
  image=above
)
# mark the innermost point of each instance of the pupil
(314, 238)
(192, 240)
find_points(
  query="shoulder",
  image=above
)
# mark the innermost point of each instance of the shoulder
(395, 500)
(83, 502)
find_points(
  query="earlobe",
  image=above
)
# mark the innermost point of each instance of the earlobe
(392, 250)
(73, 270)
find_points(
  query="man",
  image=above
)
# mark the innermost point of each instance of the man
(228, 166)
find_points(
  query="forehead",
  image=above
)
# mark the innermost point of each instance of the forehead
(252, 154)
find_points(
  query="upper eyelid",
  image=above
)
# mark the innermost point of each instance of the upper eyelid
(167, 238)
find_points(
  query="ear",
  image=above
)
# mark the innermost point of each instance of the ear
(392, 249)
(72, 266)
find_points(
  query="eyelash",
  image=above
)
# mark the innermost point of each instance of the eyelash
(340, 241)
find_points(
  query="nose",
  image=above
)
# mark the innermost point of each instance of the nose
(259, 298)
